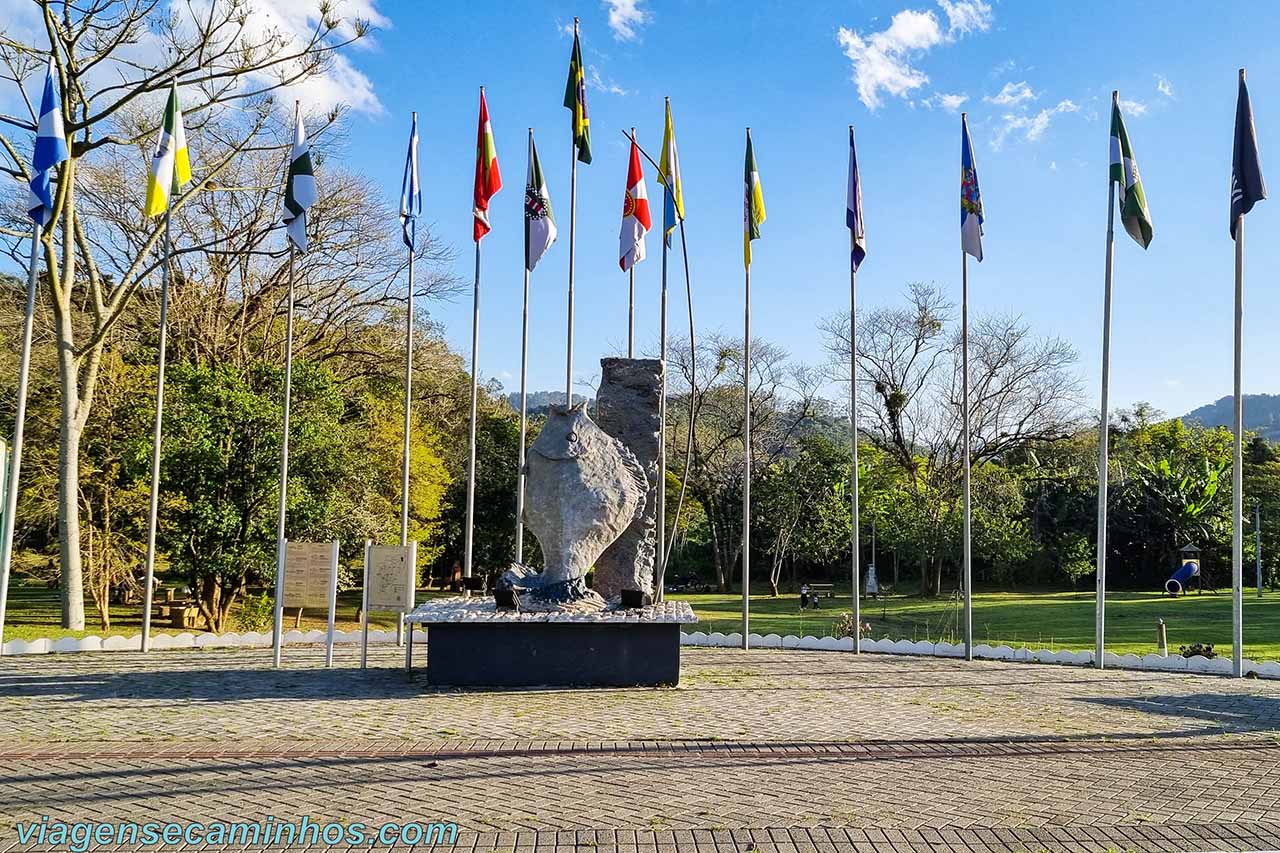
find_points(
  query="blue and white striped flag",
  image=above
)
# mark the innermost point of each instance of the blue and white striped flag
(853, 210)
(50, 150)
(410, 192)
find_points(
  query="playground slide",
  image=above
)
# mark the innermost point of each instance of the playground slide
(1177, 584)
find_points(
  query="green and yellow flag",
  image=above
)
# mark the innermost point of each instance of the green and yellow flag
(752, 203)
(575, 99)
(170, 165)
(669, 177)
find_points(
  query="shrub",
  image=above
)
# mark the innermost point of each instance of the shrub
(843, 626)
(256, 613)
(1205, 650)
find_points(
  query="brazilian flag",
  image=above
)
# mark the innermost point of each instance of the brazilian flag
(575, 99)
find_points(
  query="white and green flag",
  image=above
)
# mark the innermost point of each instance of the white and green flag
(300, 189)
(1124, 171)
(539, 222)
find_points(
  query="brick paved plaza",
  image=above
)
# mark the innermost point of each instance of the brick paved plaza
(766, 750)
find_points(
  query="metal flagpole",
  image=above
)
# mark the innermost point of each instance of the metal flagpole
(1237, 470)
(15, 454)
(746, 449)
(631, 297)
(968, 542)
(408, 420)
(524, 374)
(471, 449)
(1257, 544)
(1104, 434)
(156, 435)
(573, 206)
(855, 545)
(281, 545)
(662, 425)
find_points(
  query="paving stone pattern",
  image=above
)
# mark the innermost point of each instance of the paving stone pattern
(778, 750)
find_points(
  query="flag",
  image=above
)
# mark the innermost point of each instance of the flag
(410, 192)
(488, 178)
(50, 150)
(575, 99)
(170, 165)
(636, 221)
(1134, 214)
(300, 188)
(853, 211)
(539, 221)
(752, 202)
(1247, 186)
(971, 217)
(669, 177)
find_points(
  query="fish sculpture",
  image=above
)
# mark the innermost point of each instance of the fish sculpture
(583, 488)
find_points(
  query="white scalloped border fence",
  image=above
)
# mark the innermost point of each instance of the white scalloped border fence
(982, 651)
(187, 640)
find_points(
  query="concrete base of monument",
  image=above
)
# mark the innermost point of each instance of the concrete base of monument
(470, 643)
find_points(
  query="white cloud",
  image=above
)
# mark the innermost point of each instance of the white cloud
(966, 16)
(882, 61)
(1031, 127)
(1012, 95)
(1164, 87)
(600, 84)
(944, 101)
(1133, 108)
(1053, 165)
(626, 17)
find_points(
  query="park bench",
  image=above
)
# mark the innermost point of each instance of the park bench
(822, 590)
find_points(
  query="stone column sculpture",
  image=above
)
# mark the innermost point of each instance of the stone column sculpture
(627, 409)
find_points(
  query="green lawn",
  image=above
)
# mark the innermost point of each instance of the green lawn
(1054, 620)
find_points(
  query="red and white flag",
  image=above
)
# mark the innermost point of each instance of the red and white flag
(635, 215)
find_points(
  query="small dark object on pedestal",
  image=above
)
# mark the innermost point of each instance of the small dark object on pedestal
(505, 598)
(634, 598)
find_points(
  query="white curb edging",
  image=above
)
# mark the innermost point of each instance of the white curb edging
(188, 640)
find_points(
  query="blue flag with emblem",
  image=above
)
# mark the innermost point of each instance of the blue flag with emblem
(1247, 186)
(853, 210)
(410, 192)
(971, 217)
(50, 150)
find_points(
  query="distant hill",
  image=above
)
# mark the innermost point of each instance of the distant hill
(1261, 414)
(536, 402)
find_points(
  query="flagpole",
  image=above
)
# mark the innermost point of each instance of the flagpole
(15, 455)
(573, 207)
(1104, 432)
(156, 435)
(1237, 468)
(631, 297)
(524, 373)
(855, 545)
(278, 627)
(662, 409)
(746, 450)
(471, 447)
(968, 542)
(408, 411)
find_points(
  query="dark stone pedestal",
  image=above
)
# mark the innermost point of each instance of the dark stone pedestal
(553, 654)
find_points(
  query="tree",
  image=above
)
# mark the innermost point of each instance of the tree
(909, 368)
(111, 57)
(707, 385)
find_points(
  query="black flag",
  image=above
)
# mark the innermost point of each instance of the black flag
(1247, 185)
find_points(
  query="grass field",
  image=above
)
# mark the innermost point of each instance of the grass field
(1054, 620)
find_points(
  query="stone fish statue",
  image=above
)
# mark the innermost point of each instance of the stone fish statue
(583, 488)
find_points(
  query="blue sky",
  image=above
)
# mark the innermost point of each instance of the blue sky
(782, 69)
(1034, 77)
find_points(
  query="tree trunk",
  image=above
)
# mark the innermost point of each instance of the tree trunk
(69, 433)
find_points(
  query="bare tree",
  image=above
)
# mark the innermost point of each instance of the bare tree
(111, 58)
(708, 385)
(1022, 390)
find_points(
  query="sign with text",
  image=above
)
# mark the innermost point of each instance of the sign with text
(391, 575)
(308, 573)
